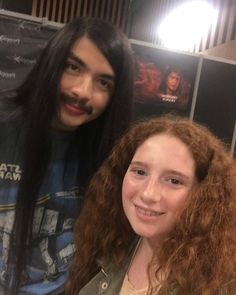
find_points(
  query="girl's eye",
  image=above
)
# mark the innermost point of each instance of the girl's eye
(175, 181)
(139, 172)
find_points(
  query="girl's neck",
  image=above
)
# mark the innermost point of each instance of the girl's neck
(145, 248)
(138, 270)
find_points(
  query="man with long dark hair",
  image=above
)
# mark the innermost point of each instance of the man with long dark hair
(56, 129)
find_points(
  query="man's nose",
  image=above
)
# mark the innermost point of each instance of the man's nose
(152, 191)
(83, 87)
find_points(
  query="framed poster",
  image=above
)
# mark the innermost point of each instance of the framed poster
(164, 80)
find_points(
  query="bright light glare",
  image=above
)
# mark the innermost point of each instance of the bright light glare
(185, 26)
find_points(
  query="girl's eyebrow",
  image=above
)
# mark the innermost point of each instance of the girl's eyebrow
(79, 61)
(178, 173)
(140, 163)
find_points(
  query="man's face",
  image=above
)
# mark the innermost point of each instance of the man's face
(173, 81)
(86, 86)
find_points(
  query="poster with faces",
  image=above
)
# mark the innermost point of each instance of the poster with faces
(164, 80)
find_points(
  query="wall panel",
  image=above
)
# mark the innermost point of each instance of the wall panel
(63, 11)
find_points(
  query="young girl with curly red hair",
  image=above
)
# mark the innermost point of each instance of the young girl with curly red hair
(159, 215)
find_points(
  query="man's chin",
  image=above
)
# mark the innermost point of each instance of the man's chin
(64, 126)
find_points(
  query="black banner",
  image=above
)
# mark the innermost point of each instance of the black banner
(216, 98)
(21, 41)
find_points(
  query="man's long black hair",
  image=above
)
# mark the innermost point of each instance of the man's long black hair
(37, 100)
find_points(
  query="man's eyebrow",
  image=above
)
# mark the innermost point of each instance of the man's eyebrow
(78, 60)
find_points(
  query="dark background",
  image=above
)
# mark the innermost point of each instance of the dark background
(22, 40)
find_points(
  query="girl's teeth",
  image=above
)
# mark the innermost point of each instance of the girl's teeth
(148, 212)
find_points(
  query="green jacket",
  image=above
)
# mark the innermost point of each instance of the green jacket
(108, 280)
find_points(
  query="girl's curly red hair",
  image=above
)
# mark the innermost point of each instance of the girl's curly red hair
(199, 255)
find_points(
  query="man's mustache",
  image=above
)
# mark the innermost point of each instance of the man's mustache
(82, 103)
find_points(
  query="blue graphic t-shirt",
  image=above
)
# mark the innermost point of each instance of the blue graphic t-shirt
(57, 207)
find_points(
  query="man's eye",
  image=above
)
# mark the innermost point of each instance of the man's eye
(106, 85)
(71, 67)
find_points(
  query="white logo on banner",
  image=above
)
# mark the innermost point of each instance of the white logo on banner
(22, 60)
(29, 27)
(5, 75)
(4, 39)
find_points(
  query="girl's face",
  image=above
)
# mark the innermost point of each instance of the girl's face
(156, 185)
